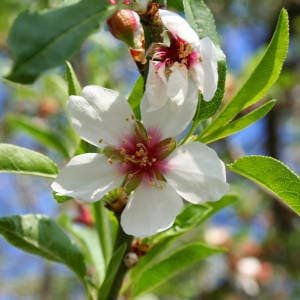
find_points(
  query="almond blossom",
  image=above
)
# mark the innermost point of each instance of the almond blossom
(141, 153)
(186, 58)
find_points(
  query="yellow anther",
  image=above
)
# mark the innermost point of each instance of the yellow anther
(152, 183)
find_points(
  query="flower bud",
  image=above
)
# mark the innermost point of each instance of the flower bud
(84, 215)
(125, 25)
(131, 259)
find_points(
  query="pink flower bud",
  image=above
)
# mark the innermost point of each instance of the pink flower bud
(124, 25)
(84, 215)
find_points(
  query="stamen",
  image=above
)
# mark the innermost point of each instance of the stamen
(141, 145)
(140, 157)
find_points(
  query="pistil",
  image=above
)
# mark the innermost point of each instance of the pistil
(142, 156)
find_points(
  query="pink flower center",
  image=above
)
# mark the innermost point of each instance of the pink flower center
(144, 158)
(141, 156)
(179, 51)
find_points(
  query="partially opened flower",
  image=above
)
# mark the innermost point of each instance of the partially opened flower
(186, 58)
(141, 154)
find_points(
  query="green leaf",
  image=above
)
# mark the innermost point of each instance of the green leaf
(136, 97)
(262, 78)
(60, 198)
(195, 214)
(74, 87)
(192, 216)
(165, 269)
(42, 134)
(201, 19)
(112, 269)
(273, 175)
(103, 226)
(40, 41)
(240, 123)
(87, 239)
(14, 159)
(175, 4)
(41, 236)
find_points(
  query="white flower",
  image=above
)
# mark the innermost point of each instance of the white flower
(144, 153)
(186, 58)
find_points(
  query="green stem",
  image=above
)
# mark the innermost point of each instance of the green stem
(118, 280)
(116, 269)
(103, 230)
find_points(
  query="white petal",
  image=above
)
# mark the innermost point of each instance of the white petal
(209, 62)
(178, 83)
(196, 173)
(87, 177)
(156, 90)
(171, 119)
(150, 210)
(197, 73)
(178, 26)
(100, 115)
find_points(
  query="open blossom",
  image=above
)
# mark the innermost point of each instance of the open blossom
(186, 58)
(143, 153)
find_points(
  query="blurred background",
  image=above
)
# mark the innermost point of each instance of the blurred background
(263, 237)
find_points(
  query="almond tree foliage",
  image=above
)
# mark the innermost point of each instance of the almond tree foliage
(108, 262)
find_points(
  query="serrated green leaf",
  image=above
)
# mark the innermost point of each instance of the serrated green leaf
(165, 269)
(262, 78)
(201, 19)
(58, 33)
(42, 134)
(273, 175)
(41, 236)
(240, 123)
(74, 87)
(136, 97)
(14, 159)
